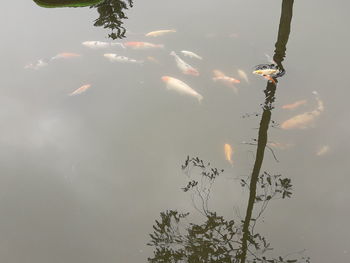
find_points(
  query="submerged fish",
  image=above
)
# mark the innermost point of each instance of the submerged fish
(304, 120)
(183, 66)
(191, 54)
(160, 33)
(279, 145)
(227, 81)
(115, 58)
(268, 71)
(228, 153)
(153, 60)
(243, 75)
(181, 87)
(294, 105)
(41, 63)
(323, 150)
(142, 45)
(80, 90)
(65, 55)
(100, 44)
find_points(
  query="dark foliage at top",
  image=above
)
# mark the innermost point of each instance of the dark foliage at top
(111, 15)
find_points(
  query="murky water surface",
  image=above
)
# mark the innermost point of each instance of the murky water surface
(93, 135)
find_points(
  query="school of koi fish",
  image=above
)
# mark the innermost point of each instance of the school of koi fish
(300, 121)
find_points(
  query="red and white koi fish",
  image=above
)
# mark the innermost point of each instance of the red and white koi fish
(294, 105)
(101, 45)
(191, 54)
(160, 33)
(228, 153)
(142, 45)
(243, 75)
(183, 66)
(66, 55)
(227, 81)
(41, 63)
(115, 58)
(181, 87)
(304, 120)
(80, 90)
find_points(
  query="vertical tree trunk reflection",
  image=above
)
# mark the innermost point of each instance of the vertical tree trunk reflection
(280, 51)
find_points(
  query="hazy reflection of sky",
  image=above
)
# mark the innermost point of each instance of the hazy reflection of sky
(83, 178)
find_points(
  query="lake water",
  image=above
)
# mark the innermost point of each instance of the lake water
(83, 178)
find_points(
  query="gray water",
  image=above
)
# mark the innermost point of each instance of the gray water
(84, 177)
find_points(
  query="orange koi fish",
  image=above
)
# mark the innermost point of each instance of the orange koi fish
(80, 90)
(227, 81)
(304, 120)
(294, 105)
(66, 55)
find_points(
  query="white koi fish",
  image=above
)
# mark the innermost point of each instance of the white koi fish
(160, 33)
(191, 54)
(227, 81)
(100, 44)
(228, 153)
(183, 66)
(243, 75)
(115, 58)
(181, 87)
(323, 150)
(142, 45)
(304, 120)
(41, 63)
(80, 90)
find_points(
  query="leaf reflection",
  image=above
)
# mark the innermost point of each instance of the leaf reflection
(111, 15)
(111, 12)
(218, 239)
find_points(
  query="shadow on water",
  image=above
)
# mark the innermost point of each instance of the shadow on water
(111, 12)
(218, 239)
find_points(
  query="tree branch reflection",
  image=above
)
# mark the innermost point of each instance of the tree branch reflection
(280, 52)
(218, 239)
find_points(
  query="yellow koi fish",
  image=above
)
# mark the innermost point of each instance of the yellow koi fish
(228, 153)
(160, 33)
